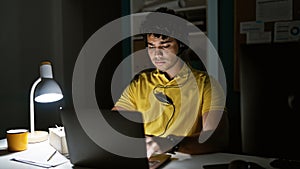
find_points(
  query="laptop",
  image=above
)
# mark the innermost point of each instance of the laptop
(85, 153)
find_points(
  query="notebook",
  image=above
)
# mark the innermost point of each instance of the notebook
(85, 153)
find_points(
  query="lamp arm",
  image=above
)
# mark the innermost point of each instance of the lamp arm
(31, 102)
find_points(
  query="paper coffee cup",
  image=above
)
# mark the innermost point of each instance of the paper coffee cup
(17, 139)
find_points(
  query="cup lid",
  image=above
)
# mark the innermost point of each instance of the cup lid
(15, 131)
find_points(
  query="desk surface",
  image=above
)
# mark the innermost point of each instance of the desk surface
(181, 161)
(37, 149)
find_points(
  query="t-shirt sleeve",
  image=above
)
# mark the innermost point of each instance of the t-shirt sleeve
(127, 101)
(214, 96)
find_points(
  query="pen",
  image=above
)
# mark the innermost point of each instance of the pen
(52, 155)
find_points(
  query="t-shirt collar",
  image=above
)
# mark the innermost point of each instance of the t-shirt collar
(183, 73)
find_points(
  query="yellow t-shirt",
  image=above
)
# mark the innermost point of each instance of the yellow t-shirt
(192, 94)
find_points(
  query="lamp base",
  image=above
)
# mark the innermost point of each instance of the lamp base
(37, 136)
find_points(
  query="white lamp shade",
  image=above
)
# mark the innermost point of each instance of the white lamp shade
(47, 91)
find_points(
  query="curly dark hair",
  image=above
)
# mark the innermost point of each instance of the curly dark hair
(164, 28)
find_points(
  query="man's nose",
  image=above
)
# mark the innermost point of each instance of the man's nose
(158, 52)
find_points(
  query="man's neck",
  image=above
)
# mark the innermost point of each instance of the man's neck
(175, 69)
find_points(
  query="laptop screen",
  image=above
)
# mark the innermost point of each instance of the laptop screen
(84, 152)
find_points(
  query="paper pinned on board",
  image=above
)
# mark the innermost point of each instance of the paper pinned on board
(274, 10)
(287, 31)
(251, 26)
(255, 32)
(259, 37)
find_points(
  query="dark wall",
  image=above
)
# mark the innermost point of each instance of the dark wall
(30, 32)
(270, 99)
(226, 43)
(269, 89)
(92, 15)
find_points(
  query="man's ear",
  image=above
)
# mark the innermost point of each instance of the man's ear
(181, 48)
(145, 40)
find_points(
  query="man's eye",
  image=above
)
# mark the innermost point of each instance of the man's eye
(165, 46)
(150, 47)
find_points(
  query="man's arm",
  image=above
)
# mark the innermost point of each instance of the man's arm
(117, 108)
(214, 136)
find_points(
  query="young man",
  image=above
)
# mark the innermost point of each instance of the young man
(175, 99)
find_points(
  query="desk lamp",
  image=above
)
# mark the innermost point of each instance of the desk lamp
(44, 90)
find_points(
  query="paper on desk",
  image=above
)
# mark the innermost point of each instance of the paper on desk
(44, 164)
(39, 157)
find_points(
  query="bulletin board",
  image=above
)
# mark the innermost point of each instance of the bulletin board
(246, 11)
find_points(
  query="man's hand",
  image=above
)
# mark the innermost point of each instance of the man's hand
(158, 145)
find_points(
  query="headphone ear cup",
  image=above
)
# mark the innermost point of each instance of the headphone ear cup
(181, 46)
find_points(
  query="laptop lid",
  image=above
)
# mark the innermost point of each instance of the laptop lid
(84, 152)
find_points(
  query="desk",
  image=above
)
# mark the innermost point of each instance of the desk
(184, 161)
(198, 161)
(40, 148)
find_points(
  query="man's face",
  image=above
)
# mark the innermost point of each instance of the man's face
(162, 52)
